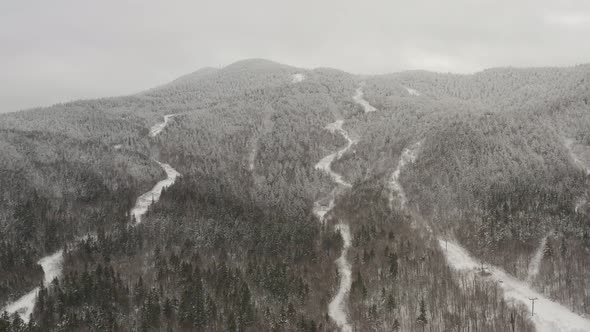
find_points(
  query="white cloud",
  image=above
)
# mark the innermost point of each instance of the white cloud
(67, 49)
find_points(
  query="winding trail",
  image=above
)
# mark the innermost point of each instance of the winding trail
(53, 264)
(52, 268)
(156, 129)
(549, 316)
(360, 99)
(408, 156)
(144, 201)
(337, 307)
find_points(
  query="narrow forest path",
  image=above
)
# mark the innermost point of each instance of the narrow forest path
(408, 156)
(535, 263)
(53, 264)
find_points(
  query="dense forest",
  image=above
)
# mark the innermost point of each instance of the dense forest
(233, 244)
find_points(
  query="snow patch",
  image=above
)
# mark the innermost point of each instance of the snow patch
(297, 78)
(359, 99)
(549, 316)
(412, 92)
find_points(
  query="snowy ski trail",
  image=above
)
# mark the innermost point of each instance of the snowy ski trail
(337, 307)
(52, 267)
(144, 201)
(549, 316)
(325, 163)
(360, 99)
(52, 264)
(158, 127)
(535, 263)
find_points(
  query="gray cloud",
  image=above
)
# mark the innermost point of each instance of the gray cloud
(53, 51)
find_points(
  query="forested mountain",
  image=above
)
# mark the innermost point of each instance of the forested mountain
(247, 237)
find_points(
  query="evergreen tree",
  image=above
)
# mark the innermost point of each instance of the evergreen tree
(422, 319)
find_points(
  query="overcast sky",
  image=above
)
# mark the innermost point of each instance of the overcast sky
(60, 50)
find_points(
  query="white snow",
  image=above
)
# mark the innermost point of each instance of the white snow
(320, 210)
(359, 99)
(144, 201)
(297, 78)
(158, 127)
(408, 156)
(337, 307)
(52, 267)
(535, 262)
(326, 162)
(412, 92)
(549, 316)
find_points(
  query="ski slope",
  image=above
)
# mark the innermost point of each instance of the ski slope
(52, 267)
(337, 307)
(156, 129)
(325, 163)
(359, 98)
(549, 316)
(144, 201)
